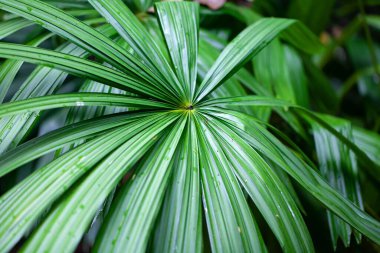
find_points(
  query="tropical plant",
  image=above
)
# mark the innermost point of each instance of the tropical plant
(168, 145)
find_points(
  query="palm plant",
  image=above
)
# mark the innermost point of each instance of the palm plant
(162, 135)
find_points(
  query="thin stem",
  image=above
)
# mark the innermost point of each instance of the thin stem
(346, 34)
(369, 39)
(353, 79)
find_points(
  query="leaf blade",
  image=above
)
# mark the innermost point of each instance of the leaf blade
(26, 201)
(65, 228)
(59, 138)
(76, 99)
(79, 33)
(13, 25)
(267, 191)
(261, 139)
(180, 224)
(180, 25)
(249, 42)
(79, 67)
(230, 223)
(137, 37)
(144, 193)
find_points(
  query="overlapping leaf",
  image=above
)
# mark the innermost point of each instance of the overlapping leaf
(251, 41)
(76, 99)
(26, 201)
(68, 221)
(180, 25)
(229, 219)
(141, 44)
(180, 222)
(339, 166)
(267, 191)
(269, 146)
(61, 137)
(133, 213)
(42, 81)
(9, 68)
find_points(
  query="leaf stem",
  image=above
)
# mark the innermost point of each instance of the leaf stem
(369, 39)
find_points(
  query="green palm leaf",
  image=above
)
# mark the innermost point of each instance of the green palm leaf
(77, 66)
(267, 191)
(10, 68)
(133, 213)
(135, 34)
(369, 142)
(61, 137)
(339, 166)
(180, 24)
(77, 114)
(195, 165)
(305, 113)
(39, 190)
(232, 87)
(248, 43)
(229, 219)
(42, 81)
(101, 181)
(13, 25)
(76, 99)
(262, 140)
(182, 202)
(77, 32)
